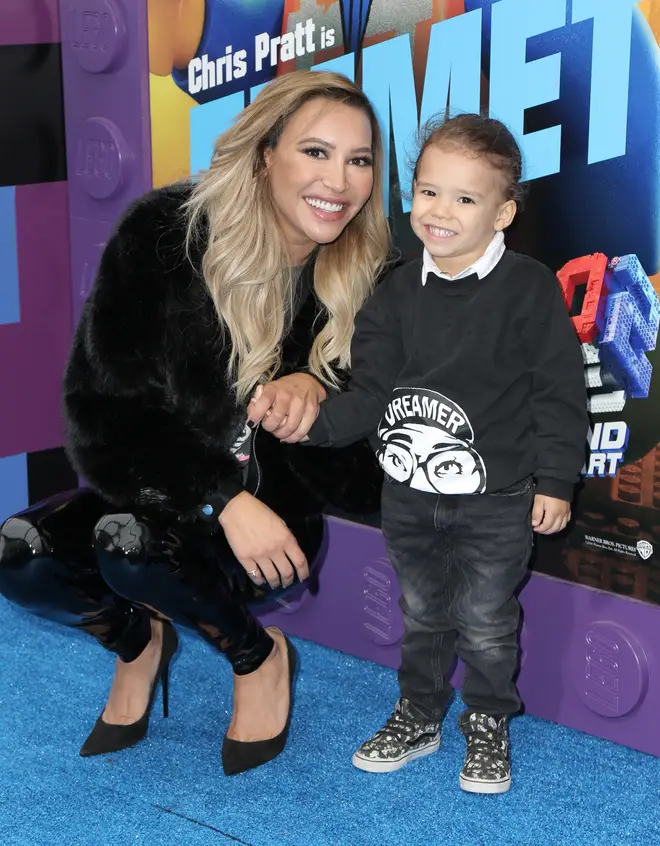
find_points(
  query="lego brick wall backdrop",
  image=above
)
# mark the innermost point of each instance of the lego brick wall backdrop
(35, 298)
(577, 80)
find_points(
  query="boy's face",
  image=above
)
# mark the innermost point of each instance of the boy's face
(459, 203)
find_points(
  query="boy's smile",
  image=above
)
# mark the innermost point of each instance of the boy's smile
(442, 234)
(459, 204)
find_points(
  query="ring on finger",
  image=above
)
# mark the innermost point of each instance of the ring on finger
(253, 574)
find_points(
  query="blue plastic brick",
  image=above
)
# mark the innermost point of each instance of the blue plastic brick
(632, 318)
(628, 275)
(623, 345)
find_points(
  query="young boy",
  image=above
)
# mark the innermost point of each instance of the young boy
(467, 366)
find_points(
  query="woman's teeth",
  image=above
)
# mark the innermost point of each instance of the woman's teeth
(324, 205)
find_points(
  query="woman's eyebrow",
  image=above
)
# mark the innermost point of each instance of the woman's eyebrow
(332, 146)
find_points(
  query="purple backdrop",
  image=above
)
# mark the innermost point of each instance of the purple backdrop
(29, 22)
(35, 333)
(106, 95)
(36, 348)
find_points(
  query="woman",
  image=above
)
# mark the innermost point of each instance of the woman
(204, 292)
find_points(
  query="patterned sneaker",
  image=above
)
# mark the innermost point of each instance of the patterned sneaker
(487, 767)
(402, 739)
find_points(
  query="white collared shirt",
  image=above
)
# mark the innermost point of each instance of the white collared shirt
(482, 266)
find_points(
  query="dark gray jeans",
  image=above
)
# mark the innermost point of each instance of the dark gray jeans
(459, 560)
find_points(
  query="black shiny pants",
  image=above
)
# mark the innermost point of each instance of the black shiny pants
(70, 561)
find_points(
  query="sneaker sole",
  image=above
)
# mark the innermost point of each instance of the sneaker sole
(375, 766)
(473, 786)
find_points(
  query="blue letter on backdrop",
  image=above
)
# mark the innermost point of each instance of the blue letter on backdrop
(453, 66)
(341, 64)
(516, 85)
(610, 74)
(453, 70)
(207, 122)
(388, 81)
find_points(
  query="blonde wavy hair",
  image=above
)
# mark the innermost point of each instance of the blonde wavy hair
(246, 265)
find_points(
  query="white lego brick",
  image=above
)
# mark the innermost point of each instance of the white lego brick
(593, 376)
(607, 403)
(590, 354)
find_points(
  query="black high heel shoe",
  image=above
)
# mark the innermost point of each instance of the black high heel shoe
(109, 737)
(239, 756)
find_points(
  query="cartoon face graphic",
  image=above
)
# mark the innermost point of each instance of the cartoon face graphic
(419, 449)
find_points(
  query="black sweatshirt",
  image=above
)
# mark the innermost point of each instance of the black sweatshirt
(471, 385)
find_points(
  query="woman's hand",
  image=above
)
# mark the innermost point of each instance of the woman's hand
(287, 407)
(262, 542)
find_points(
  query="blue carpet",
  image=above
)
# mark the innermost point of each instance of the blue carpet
(169, 791)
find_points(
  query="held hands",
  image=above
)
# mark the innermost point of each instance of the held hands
(262, 542)
(549, 514)
(287, 407)
(259, 538)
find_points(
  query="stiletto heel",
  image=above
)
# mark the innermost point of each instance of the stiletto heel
(239, 756)
(109, 737)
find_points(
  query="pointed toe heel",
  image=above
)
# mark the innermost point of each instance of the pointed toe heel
(108, 737)
(239, 756)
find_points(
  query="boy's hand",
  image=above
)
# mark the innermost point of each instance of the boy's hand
(288, 406)
(300, 435)
(549, 514)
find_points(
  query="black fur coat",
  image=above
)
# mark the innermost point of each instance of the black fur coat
(149, 413)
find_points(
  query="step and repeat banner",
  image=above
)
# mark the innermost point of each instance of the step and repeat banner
(578, 82)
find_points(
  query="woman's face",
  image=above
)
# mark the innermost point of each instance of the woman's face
(321, 173)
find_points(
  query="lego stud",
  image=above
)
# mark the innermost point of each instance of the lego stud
(97, 34)
(101, 158)
(382, 622)
(609, 671)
